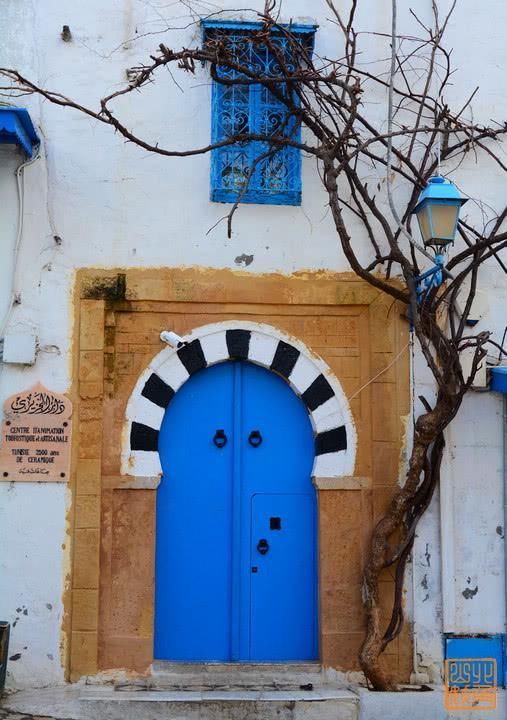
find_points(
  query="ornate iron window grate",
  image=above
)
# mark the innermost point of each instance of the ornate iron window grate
(254, 171)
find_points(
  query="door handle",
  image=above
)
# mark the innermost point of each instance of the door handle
(263, 546)
(220, 439)
(255, 438)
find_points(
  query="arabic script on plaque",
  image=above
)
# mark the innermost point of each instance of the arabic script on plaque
(36, 436)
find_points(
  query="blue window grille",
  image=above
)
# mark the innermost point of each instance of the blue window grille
(254, 171)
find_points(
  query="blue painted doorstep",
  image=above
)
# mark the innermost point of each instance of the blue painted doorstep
(236, 558)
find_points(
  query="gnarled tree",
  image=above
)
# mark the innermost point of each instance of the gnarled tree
(328, 100)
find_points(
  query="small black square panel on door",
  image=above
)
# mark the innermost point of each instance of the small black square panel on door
(275, 523)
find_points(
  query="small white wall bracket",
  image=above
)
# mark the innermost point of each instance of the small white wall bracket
(171, 338)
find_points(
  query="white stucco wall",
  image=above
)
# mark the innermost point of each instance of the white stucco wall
(115, 205)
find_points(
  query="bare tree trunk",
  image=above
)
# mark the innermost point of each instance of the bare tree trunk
(405, 510)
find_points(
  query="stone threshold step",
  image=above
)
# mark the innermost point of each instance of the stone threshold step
(163, 666)
(102, 695)
(324, 704)
(229, 676)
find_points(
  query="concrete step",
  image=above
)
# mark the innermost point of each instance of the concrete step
(105, 703)
(83, 702)
(231, 676)
(221, 705)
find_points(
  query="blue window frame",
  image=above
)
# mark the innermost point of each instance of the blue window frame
(271, 173)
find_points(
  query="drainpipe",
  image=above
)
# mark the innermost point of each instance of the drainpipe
(505, 499)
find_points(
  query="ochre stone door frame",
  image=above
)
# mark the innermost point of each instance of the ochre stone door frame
(355, 329)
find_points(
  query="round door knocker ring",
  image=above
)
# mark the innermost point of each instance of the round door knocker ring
(255, 438)
(263, 546)
(220, 439)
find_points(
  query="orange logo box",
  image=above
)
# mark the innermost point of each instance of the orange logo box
(470, 684)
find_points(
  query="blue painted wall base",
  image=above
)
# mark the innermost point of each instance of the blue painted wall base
(477, 647)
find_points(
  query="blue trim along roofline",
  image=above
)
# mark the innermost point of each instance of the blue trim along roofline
(499, 379)
(16, 128)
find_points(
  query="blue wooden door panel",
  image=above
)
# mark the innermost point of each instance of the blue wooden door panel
(194, 530)
(284, 460)
(282, 463)
(211, 505)
(282, 598)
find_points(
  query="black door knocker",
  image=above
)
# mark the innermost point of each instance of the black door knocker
(255, 438)
(220, 439)
(263, 546)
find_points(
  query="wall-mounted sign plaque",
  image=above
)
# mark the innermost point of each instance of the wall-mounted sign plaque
(36, 433)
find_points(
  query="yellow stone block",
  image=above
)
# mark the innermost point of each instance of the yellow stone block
(88, 477)
(86, 558)
(83, 654)
(385, 423)
(91, 365)
(382, 317)
(87, 511)
(90, 438)
(91, 390)
(91, 325)
(383, 368)
(85, 609)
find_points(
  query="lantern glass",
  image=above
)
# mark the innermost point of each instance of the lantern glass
(437, 222)
(424, 223)
(443, 221)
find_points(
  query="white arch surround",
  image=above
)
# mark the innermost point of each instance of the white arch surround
(308, 375)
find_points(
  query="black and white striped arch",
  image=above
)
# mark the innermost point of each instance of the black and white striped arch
(309, 377)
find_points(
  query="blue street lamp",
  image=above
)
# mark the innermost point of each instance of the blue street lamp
(437, 212)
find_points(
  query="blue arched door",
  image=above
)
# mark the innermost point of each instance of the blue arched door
(236, 559)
